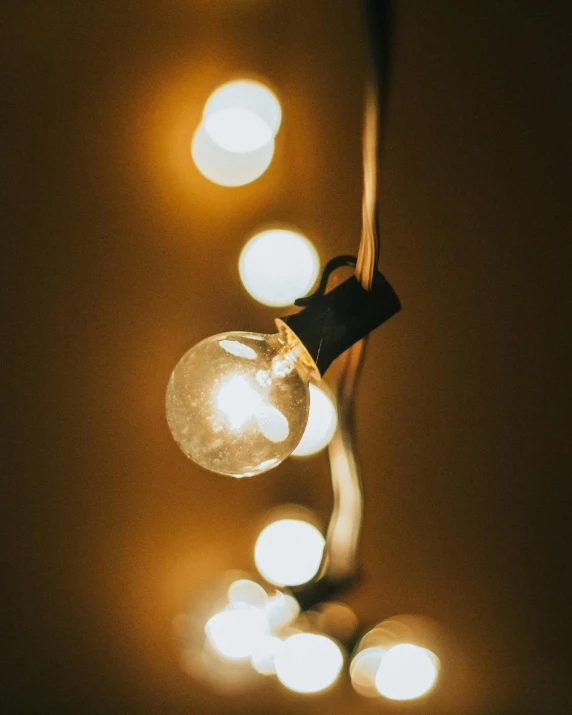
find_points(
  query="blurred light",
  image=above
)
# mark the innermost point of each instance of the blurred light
(234, 143)
(248, 96)
(228, 168)
(396, 659)
(406, 672)
(264, 655)
(281, 610)
(336, 620)
(236, 632)
(246, 591)
(289, 552)
(322, 422)
(363, 670)
(308, 663)
(277, 266)
(237, 130)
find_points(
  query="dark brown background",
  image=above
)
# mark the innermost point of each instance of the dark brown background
(118, 256)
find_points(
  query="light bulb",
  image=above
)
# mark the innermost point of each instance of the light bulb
(264, 655)
(322, 421)
(288, 552)
(277, 266)
(308, 663)
(237, 403)
(406, 672)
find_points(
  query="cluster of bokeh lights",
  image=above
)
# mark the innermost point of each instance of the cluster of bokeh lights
(262, 629)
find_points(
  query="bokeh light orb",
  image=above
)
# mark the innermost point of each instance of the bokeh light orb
(406, 672)
(308, 663)
(228, 168)
(237, 631)
(277, 266)
(249, 96)
(289, 552)
(363, 670)
(234, 143)
(322, 421)
(237, 130)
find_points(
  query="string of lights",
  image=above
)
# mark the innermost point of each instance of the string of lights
(240, 403)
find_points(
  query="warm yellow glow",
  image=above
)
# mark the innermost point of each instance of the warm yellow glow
(308, 663)
(289, 552)
(248, 96)
(406, 672)
(277, 266)
(322, 422)
(237, 631)
(228, 168)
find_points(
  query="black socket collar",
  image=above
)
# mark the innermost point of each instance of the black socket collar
(332, 322)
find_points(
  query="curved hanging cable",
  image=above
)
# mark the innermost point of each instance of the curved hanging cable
(342, 539)
(379, 17)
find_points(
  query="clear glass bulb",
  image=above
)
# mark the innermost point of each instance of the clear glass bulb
(238, 403)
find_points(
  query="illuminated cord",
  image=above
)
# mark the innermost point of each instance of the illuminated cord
(344, 530)
(379, 17)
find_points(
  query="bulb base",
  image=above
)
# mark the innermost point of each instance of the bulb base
(332, 322)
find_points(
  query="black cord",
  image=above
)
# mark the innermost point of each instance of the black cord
(380, 21)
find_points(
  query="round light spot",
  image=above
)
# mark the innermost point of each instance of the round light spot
(228, 168)
(277, 266)
(238, 130)
(308, 663)
(246, 591)
(264, 655)
(250, 96)
(322, 423)
(363, 670)
(281, 610)
(289, 552)
(237, 631)
(406, 672)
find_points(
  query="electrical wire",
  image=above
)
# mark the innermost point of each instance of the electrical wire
(379, 17)
(344, 530)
